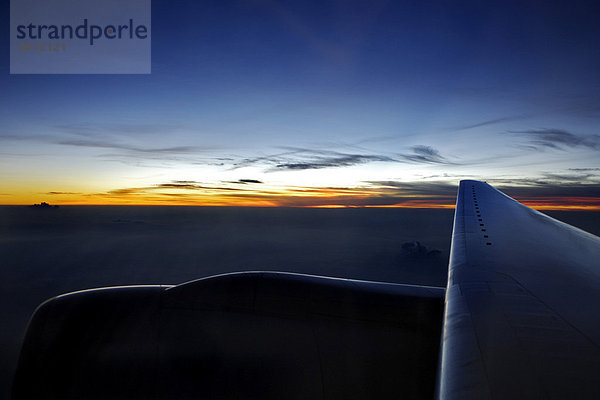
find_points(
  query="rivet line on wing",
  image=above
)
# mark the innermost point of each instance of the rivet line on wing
(478, 214)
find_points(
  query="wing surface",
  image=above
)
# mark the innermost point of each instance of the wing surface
(522, 315)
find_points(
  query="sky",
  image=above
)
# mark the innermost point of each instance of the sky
(322, 104)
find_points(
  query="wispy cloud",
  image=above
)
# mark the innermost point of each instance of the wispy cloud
(559, 139)
(22, 137)
(495, 121)
(188, 185)
(554, 189)
(128, 153)
(126, 191)
(424, 155)
(112, 145)
(585, 105)
(297, 159)
(345, 160)
(181, 187)
(562, 177)
(96, 128)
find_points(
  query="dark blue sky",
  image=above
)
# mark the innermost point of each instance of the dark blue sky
(320, 94)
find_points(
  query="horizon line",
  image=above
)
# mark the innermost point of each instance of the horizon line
(531, 204)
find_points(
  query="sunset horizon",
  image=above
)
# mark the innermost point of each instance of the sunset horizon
(317, 105)
(328, 198)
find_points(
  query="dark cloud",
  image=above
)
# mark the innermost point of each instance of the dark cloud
(176, 185)
(53, 193)
(559, 139)
(584, 169)
(249, 181)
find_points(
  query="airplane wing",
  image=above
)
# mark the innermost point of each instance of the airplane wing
(522, 315)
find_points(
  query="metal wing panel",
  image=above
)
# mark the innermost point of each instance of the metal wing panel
(522, 303)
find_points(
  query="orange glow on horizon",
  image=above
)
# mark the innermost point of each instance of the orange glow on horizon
(273, 196)
(562, 203)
